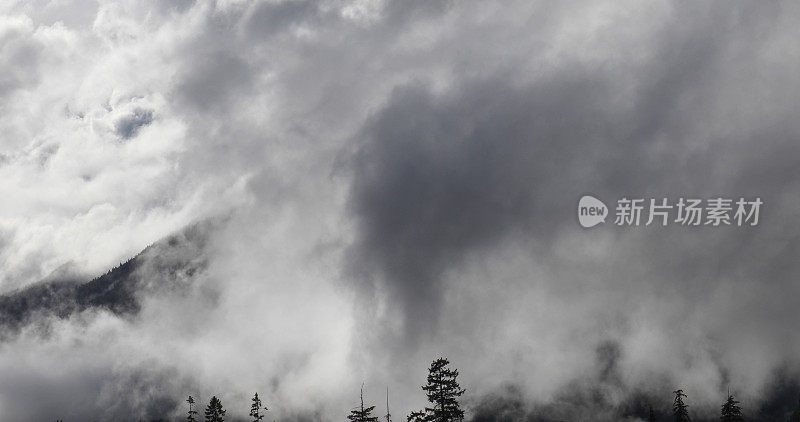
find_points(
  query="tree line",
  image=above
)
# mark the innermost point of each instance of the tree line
(730, 410)
(443, 391)
(215, 412)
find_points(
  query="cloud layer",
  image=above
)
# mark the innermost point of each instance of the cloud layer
(393, 181)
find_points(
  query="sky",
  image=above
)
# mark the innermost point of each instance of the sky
(386, 182)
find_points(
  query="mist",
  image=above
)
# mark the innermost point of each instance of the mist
(380, 183)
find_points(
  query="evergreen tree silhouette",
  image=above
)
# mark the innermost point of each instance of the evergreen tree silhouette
(388, 415)
(191, 414)
(214, 411)
(362, 414)
(443, 392)
(731, 410)
(651, 417)
(679, 408)
(255, 409)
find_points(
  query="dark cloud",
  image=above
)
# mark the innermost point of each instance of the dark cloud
(592, 398)
(443, 177)
(439, 177)
(146, 393)
(214, 78)
(274, 17)
(21, 56)
(468, 130)
(128, 127)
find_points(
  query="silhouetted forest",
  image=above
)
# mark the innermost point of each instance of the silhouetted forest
(117, 291)
(443, 391)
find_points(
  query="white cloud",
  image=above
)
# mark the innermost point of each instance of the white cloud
(122, 122)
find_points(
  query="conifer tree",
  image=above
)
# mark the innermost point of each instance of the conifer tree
(192, 414)
(680, 409)
(362, 414)
(255, 409)
(214, 411)
(388, 415)
(443, 392)
(652, 416)
(731, 412)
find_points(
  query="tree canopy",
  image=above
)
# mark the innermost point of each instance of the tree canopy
(443, 392)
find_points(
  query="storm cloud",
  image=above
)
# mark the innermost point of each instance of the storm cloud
(392, 181)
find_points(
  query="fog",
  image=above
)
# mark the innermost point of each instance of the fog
(388, 182)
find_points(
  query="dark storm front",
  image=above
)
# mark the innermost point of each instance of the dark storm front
(397, 180)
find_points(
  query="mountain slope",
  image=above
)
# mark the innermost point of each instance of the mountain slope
(170, 263)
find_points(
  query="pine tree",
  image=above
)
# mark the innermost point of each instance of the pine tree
(255, 409)
(362, 414)
(214, 411)
(731, 411)
(192, 414)
(679, 408)
(652, 416)
(443, 392)
(388, 415)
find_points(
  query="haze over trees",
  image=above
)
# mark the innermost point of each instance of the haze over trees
(731, 412)
(680, 410)
(796, 415)
(443, 392)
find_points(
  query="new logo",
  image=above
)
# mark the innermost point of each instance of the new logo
(591, 211)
